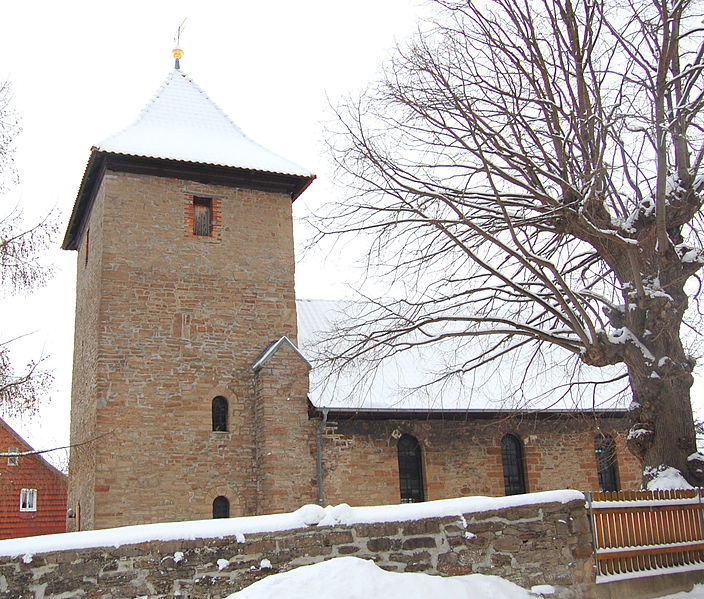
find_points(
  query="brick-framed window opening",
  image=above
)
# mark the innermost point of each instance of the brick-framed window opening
(219, 409)
(221, 507)
(202, 216)
(410, 469)
(512, 461)
(13, 460)
(28, 500)
(605, 450)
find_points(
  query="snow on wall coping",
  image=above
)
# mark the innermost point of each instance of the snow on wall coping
(182, 123)
(308, 515)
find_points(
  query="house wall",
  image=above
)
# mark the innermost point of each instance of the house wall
(463, 458)
(31, 472)
(166, 321)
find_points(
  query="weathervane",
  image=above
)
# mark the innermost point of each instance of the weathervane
(177, 52)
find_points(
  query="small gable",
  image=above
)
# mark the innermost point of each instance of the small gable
(270, 351)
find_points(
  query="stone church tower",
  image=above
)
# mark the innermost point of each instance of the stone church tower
(183, 231)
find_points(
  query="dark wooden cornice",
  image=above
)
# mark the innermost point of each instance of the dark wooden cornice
(340, 414)
(99, 162)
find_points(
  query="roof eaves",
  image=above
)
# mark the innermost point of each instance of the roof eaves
(433, 413)
(21, 441)
(84, 199)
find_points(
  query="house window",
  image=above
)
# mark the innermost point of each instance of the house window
(512, 459)
(28, 500)
(13, 460)
(410, 469)
(221, 507)
(219, 413)
(202, 216)
(605, 450)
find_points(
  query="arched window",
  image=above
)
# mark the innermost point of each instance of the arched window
(605, 450)
(221, 507)
(512, 459)
(410, 469)
(219, 413)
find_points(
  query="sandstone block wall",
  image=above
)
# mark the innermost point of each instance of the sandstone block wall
(166, 321)
(285, 436)
(547, 543)
(462, 458)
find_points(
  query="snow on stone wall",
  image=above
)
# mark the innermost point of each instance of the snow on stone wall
(537, 543)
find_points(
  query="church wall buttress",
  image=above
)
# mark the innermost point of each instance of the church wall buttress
(285, 435)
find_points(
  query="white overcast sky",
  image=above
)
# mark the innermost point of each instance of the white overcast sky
(83, 70)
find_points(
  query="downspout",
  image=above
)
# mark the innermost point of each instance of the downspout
(319, 456)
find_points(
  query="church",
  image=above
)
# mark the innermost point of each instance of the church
(193, 394)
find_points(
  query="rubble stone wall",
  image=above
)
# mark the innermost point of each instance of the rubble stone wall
(546, 543)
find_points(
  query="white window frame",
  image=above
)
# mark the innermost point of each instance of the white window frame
(28, 500)
(13, 460)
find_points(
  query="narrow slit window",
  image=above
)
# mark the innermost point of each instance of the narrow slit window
(13, 460)
(202, 216)
(221, 507)
(410, 469)
(605, 450)
(219, 410)
(28, 500)
(512, 460)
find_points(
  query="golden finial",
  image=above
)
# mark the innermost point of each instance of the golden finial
(177, 52)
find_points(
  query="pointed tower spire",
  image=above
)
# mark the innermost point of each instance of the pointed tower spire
(177, 52)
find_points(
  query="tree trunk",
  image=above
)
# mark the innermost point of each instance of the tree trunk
(662, 432)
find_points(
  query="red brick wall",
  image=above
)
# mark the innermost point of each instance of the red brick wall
(31, 472)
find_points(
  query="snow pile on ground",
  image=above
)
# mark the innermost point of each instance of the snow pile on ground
(308, 515)
(666, 478)
(696, 593)
(354, 578)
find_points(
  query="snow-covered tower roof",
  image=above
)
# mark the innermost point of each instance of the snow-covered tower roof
(182, 133)
(182, 123)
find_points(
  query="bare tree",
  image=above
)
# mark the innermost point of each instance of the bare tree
(528, 174)
(21, 271)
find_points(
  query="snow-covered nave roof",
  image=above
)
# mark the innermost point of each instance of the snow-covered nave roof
(399, 383)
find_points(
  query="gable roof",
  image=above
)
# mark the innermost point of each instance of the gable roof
(400, 383)
(27, 447)
(273, 348)
(182, 123)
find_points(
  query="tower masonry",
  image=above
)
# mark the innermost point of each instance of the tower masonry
(183, 232)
